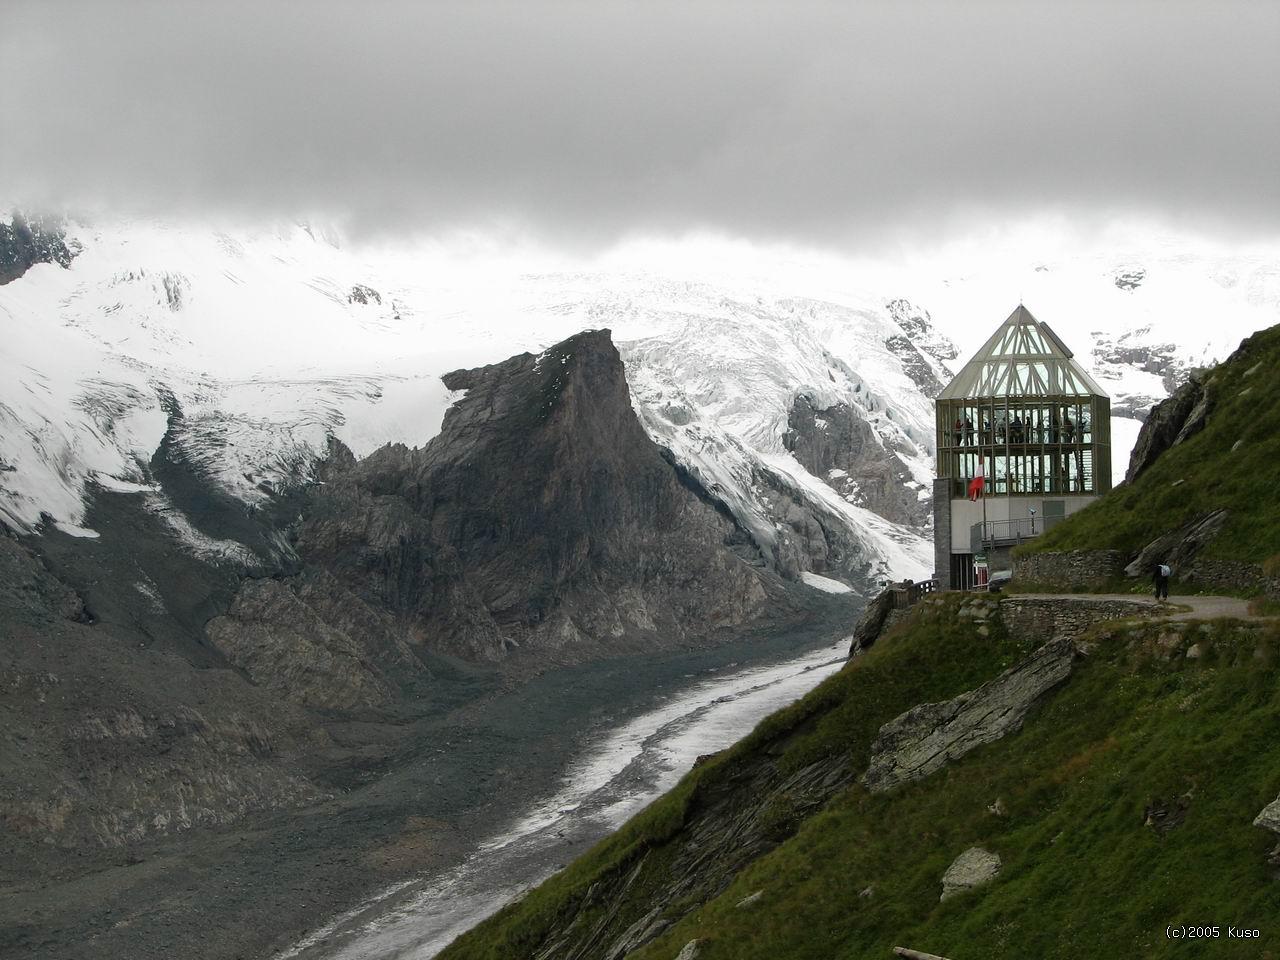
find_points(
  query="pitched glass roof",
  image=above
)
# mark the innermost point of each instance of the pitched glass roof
(1023, 358)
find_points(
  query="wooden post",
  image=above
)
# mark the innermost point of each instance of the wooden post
(915, 954)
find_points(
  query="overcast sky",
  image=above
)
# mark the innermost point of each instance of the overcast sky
(835, 125)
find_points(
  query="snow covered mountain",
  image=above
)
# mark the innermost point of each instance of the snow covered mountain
(805, 413)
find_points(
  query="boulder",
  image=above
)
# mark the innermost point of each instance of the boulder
(927, 737)
(1178, 547)
(1269, 818)
(691, 950)
(971, 869)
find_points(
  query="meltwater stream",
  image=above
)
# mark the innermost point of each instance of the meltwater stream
(608, 782)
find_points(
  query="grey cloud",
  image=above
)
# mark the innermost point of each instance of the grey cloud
(584, 121)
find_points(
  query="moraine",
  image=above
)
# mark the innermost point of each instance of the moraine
(621, 769)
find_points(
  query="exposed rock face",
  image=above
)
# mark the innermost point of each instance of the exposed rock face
(110, 743)
(918, 325)
(925, 738)
(1178, 548)
(727, 829)
(1131, 278)
(540, 516)
(30, 589)
(312, 642)
(806, 536)
(838, 446)
(872, 622)
(1170, 422)
(25, 243)
(364, 294)
(1269, 819)
(915, 365)
(971, 869)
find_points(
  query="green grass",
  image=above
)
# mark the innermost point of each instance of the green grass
(1204, 473)
(1082, 877)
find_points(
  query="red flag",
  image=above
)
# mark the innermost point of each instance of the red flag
(977, 486)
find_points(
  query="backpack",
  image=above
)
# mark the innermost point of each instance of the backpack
(1165, 571)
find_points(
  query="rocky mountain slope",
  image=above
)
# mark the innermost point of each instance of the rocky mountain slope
(540, 521)
(201, 666)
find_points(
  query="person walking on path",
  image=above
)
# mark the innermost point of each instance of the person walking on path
(1161, 579)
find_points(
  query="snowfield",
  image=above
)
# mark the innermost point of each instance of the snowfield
(252, 349)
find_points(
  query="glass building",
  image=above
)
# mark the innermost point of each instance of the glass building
(1024, 415)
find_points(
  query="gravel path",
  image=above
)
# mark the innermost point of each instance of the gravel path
(1202, 608)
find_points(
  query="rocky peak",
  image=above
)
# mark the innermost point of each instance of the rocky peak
(541, 515)
(24, 243)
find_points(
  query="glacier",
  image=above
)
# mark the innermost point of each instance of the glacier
(250, 348)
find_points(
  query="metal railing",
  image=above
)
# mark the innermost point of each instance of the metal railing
(1011, 531)
(907, 593)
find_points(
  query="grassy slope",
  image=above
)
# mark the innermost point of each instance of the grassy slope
(1214, 476)
(1083, 875)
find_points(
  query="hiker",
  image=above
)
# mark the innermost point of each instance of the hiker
(1161, 578)
(1068, 429)
(958, 430)
(968, 431)
(1015, 430)
(1000, 430)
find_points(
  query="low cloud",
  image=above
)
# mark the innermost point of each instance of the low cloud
(836, 125)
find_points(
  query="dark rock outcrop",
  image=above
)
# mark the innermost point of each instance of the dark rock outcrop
(1130, 279)
(111, 740)
(364, 294)
(30, 589)
(872, 622)
(915, 365)
(1178, 548)
(839, 447)
(927, 737)
(541, 516)
(1269, 819)
(24, 243)
(917, 324)
(313, 643)
(1170, 422)
(732, 827)
(919, 339)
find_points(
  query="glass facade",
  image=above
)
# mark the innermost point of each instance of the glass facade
(1029, 413)
(1029, 445)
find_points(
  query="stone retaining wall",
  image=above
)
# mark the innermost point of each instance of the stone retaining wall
(1075, 568)
(1040, 619)
(1230, 575)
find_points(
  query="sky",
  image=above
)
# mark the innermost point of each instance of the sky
(852, 127)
